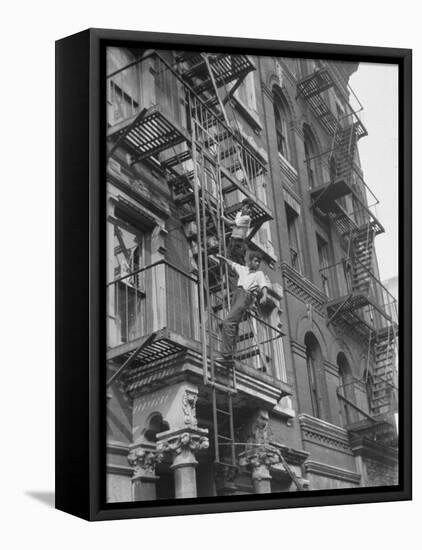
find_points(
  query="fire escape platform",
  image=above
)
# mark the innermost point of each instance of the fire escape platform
(164, 344)
(348, 308)
(148, 133)
(171, 358)
(381, 429)
(325, 198)
(226, 69)
(315, 83)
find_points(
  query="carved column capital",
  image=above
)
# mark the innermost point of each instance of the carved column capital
(144, 461)
(258, 461)
(183, 444)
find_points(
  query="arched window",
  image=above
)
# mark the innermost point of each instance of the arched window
(314, 364)
(346, 389)
(155, 425)
(282, 123)
(313, 162)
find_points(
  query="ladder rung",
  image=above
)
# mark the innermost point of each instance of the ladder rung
(228, 413)
(225, 438)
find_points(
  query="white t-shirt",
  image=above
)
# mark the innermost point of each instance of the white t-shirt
(241, 229)
(249, 280)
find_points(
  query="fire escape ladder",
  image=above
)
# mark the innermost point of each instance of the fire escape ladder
(383, 379)
(363, 249)
(227, 121)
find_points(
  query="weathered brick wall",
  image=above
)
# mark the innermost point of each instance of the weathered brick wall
(378, 473)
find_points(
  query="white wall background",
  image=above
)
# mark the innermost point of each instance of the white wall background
(27, 37)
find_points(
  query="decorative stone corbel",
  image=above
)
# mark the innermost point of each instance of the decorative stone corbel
(189, 407)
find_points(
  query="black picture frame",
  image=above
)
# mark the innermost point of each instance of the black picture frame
(80, 274)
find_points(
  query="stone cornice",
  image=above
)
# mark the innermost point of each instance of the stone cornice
(326, 470)
(117, 447)
(139, 191)
(317, 431)
(303, 289)
(119, 470)
(264, 388)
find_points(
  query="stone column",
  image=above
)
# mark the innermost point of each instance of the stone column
(258, 461)
(182, 445)
(144, 459)
(225, 476)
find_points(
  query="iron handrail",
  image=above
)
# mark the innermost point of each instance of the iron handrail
(150, 266)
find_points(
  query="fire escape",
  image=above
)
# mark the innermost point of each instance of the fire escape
(357, 299)
(209, 170)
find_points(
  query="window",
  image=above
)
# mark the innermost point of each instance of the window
(294, 241)
(282, 127)
(312, 160)
(129, 286)
(246, 92)
(313, 363)
(324, 262)
(346, 390)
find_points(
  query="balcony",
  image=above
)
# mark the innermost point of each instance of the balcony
(358, 416)
(358, 297)
(226, 68)
(155, 310)
(311, 89)
(347, 200)
(161, 130)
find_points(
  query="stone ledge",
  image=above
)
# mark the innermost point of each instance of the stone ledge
(320, 432)
(326, 470)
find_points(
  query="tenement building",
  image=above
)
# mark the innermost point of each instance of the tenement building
(308, 399)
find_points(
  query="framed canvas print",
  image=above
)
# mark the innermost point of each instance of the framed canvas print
(233, 274)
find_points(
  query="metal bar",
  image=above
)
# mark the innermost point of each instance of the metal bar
(200, 265)
(154, 264)
(354, 406)
(130, 359)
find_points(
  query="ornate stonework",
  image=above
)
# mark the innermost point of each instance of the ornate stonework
(189, 407)
(317, 431)
(186, 441)
(259, 428)
(144, 461)
(259, 459)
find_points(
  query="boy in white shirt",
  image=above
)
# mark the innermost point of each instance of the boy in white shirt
(242, 223)
(251, 283)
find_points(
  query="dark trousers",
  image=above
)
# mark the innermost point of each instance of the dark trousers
(237, 250)
(242, 300)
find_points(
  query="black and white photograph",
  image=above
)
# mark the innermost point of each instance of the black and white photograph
(252, 281)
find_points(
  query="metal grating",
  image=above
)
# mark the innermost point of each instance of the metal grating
(148, 134)
(226, 68)
(316, 83)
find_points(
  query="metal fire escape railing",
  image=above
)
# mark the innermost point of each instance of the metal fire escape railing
(356, 297)
(209, 170)
(359, 399)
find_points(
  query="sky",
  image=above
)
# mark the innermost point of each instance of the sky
(376, 86)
